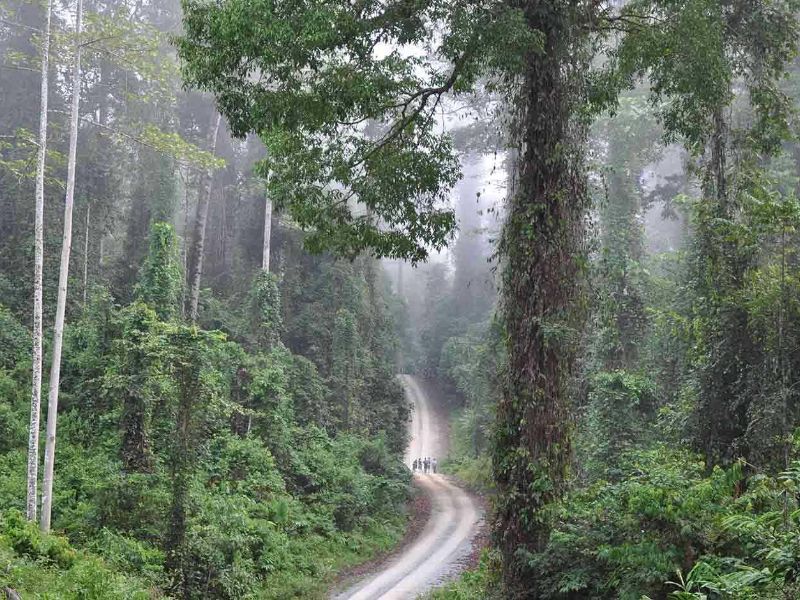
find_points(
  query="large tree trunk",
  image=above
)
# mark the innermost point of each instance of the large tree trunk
(543, 249)
(724, 404)
(63, 279)
(200, 230)
(36, 392)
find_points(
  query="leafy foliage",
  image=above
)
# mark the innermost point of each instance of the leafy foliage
(318, 83)
(161, 276)
(39, 566)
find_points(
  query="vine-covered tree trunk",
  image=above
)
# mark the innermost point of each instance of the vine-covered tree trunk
(134, 423)
(36, 391)
(544, 253)
(180, 465)
(200, 230)
(622, 312)
(187, 345)
(345, 338)
(63, 280)
(724, 402)
(135, 451)
(180, 477)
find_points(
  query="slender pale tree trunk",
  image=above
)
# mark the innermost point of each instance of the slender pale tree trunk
(184, 241)
(267, 234)
(86, 253)
(36, 392)
(200, 231)
(66, 246)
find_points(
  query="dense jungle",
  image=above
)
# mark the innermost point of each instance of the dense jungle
(259, 258)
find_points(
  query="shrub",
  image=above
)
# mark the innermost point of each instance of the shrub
(26, 539)
(627, 538)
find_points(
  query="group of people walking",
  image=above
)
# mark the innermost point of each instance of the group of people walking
(426, 465)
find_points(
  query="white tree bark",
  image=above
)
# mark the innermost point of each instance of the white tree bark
(86, 253)
(267, 234)
(400, 287)
(200, 231)
(184, 241)
(63, 276)
(36, 391)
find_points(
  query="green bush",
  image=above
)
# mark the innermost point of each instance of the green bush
(199, 465)
(13, 427)
(15, 341)
(627, 538)
(26, 539)
(47, 567)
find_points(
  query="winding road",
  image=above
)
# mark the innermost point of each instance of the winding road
(438, 553)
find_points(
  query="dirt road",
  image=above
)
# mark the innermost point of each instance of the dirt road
(436, 555)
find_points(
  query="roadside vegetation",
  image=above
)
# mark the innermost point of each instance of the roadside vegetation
(225, 227)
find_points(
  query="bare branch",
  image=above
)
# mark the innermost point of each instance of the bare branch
(20, 25)
(133, 138)
(18, 68)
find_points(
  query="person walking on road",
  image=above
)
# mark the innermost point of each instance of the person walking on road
(433, 464)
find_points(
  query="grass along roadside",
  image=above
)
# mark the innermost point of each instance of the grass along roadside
(415, 519)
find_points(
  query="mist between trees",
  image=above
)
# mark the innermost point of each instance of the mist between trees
(226, 226)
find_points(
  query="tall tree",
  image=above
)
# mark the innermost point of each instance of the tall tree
(199, 236)
(613, 385)
(320, 161)
(628, 142)
(473, 289)
(696, 54)
(345, 338)
(36, 393)
(160, 277)
(265, 254)
(86, 222)
(153, 201)
(63, 280)
(543, 248)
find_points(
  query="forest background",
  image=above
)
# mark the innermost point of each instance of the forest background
(229, 421)
(234, 437)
